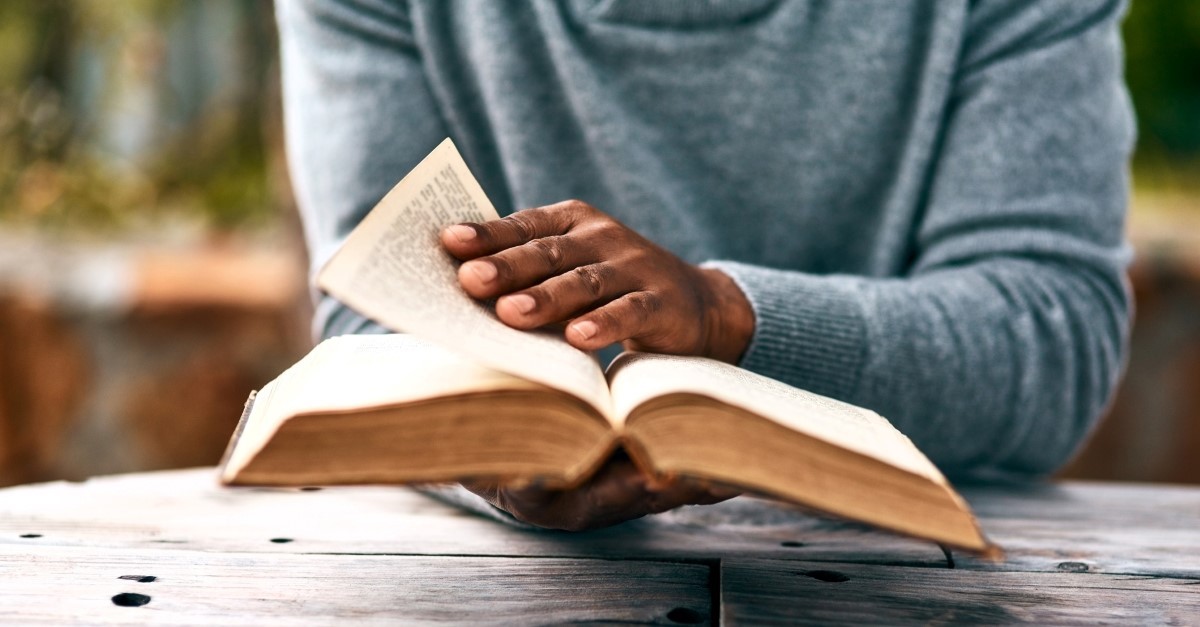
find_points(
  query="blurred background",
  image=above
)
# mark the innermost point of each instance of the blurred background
(151, 263)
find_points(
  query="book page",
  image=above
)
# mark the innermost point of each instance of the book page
(640, 377)
(353, 372)
(393, 270)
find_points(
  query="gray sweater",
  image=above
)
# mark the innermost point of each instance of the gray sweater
(923, 201)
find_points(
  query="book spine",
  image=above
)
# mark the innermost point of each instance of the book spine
(237, 433)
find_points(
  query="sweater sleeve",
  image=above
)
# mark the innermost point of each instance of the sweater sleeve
(350, 67)
(999, 347)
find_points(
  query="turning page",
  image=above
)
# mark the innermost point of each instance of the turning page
(393, 269)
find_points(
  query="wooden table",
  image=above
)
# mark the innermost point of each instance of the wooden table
(174, 548)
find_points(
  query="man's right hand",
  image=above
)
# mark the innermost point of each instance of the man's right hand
(617, 493)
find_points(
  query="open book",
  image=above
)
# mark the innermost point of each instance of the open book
(464, 396)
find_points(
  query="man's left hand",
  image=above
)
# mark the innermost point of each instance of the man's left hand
(571, 263)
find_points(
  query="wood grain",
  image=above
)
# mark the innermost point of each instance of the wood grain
(1077, 553)
(1103, 528)
(764, 592)
(188, 509)
(77, 585)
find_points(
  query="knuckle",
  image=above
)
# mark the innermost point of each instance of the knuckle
(580, 210)
(549, 249)
(609, 232)
(639, 256)
(521, 225)
(645, 305)
(592, 278)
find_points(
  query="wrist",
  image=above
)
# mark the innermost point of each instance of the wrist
(728, 318)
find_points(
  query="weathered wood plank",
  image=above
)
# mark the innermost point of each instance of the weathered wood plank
(77, 585)
(1102, 527)
(188, 509)
(1097, 527)
(761, 592)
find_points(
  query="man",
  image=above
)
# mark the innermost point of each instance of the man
(912, 206)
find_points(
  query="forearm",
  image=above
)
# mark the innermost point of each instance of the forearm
(1001, 366)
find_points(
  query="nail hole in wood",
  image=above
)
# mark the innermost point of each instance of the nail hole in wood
(309, 488)
(791, 544)
(31, 535)
(831, 576)
(281, 540)
(139, 578)
(1073, 567)
(130, 599)
(685, 616)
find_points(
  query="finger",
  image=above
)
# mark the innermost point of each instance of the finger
(617, 493)
(529, 504)
(682, 492)
(633, 315)
(522, 266)
(475, 239)
(563, 296)
(717, 493)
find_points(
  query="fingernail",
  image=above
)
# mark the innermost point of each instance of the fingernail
(462, 232)
(482, 270)
(524, 303)
(585, 329)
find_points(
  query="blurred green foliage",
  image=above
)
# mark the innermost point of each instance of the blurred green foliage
(1162, 50)
(116, 114)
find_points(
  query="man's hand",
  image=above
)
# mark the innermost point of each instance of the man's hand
(619, 492)
(571, 263)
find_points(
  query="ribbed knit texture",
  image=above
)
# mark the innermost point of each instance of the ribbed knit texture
(923, 201)
(819, 319)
